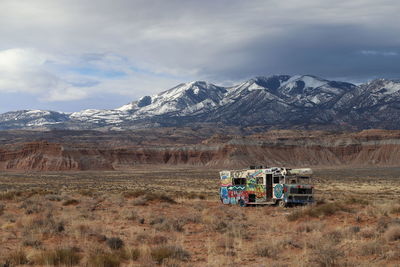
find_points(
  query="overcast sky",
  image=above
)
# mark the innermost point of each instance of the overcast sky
(76, 54)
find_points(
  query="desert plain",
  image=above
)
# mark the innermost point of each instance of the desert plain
(158, 215)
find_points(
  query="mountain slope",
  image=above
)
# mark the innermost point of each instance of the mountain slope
(279, 101)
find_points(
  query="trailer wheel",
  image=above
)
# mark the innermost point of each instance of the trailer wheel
(282, 204)
(242, 203)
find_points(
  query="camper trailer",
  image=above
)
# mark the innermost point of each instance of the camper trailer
(259, 185)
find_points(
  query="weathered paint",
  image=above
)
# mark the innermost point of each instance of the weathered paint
(233, 194)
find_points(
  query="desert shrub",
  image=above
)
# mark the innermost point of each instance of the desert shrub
(10, 195)
(160, 253)
(63, 256)
(393, 233)
(267, 250)
(142, 237)
(357, 201)
(115, 243)
(393, 255)
(32, 242)
(334, 236)
(134, 193)
(53, 197)
(190, 195)
(171, 263)
(140, 201)
(372, 248)
(159, 239)
(325, 255)
(382, 224)
(134, 254)
(395, 209)
(160, 197)
(31, 207)
(104, 259)
(69, 202)
(2, 208)
(289, 243)
(220, 226)
(308, 227)
(295, 215)
(368, 232)
(143, 197)
(166, 224)
(131, 216)
(327, 209)
(45, 225)
(17, 258)
(87, 192)
(354, 229)
(192, 218)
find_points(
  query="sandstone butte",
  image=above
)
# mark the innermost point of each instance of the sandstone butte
(75, 151)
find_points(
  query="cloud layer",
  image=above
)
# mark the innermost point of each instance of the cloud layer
(63, 52)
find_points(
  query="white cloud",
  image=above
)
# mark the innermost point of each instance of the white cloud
(75, 49)
(71, 78)
(21, 70)
(379, 53)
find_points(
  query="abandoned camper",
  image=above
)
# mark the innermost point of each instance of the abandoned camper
(259, 185)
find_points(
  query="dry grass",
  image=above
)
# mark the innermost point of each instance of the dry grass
(58, 257)
(173, 217)
(393, 233)
(163, 252)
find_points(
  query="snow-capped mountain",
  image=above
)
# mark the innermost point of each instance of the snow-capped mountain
(29, 119)
(279, 101)
(184, 99)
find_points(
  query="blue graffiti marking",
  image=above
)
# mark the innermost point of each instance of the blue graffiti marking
(237, 187)
(224, 192)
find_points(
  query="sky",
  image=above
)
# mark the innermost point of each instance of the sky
(70, 55)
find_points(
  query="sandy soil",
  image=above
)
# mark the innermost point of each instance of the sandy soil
(172, 217)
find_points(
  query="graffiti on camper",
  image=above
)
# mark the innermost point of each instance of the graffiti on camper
(266, 185)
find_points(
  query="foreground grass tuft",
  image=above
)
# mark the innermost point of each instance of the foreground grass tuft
(327, 209)
(63, 256)
(104, 259)
(160, 253)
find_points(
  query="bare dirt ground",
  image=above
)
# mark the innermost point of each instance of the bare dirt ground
(172, 216)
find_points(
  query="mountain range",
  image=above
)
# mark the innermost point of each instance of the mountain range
(276, 102)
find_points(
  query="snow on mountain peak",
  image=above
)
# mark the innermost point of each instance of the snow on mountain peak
(307, 80)
(392, 87)
(382, 86)
(200, 100)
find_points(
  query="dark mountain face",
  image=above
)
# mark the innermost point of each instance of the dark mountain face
(279, 101)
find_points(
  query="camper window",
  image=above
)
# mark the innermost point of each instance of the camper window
(276, 180)
(239, 181)
(260, 180)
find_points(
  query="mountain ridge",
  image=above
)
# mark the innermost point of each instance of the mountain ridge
(278, 101)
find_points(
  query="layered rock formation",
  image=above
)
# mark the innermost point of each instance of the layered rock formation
(76, 151)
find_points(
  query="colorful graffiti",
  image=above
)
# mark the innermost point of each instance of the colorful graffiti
(237, 187)
(224, 195)
(247, 187)
(278, 191)
(260, 191)
(235, 196)
(226, 179)
(256, 173)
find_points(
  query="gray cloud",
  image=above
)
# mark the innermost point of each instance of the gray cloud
(131, 48)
